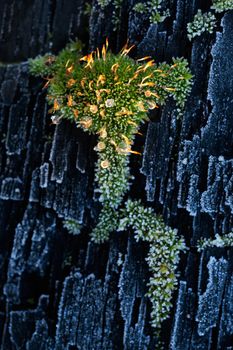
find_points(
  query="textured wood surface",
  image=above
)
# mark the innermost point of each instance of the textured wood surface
(60, 291)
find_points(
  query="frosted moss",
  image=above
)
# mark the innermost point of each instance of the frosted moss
(224, 241)
(72, 226)
(163, 256)
(206, 22)
(222, 5)
(202, 22)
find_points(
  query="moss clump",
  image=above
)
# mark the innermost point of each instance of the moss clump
(222, 5)
(72, 226)
(49, 65)
(109, 95)
(206, 22)
(154, 8)
(202, 22)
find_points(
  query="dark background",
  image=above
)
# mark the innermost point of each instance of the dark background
(60, 291)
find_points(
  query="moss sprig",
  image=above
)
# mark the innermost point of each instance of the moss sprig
(202, 22)
(163, 256)
(72, 226)
(224, 241)
(108, 221)
(222, 5)
(154, 8)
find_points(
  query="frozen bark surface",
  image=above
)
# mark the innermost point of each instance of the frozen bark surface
(60, 291)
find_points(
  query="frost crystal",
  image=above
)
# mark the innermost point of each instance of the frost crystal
(210, 301)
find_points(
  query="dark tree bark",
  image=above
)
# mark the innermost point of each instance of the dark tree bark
(60, 291)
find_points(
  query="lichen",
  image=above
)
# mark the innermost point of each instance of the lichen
(109, 95)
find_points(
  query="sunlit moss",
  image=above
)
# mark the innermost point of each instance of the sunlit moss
(109, 95)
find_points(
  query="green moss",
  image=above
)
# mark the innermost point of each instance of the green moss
(107, 222)
(116, 15)
(49, 65)
(109, 95)
(72, 226)
(155, 10)
(140, 7)
(87, 9)
(103, 3)
(206, 22)
(222, 5)
(202, 22)
(116, 7)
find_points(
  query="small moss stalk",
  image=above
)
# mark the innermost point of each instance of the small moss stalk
(224, 241)
(72, 226)
(163, 256)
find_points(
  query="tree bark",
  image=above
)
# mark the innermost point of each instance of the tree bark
(61, 291)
